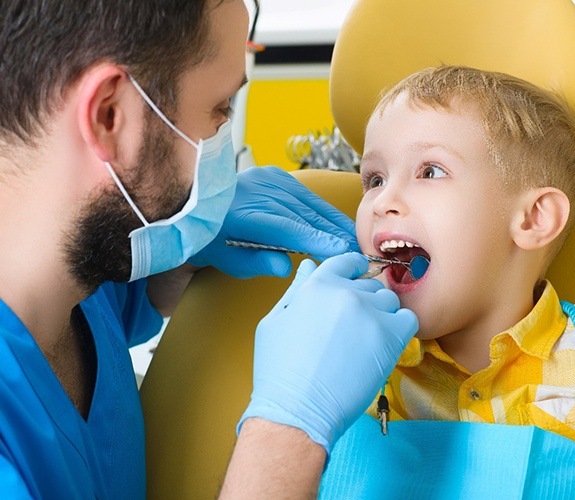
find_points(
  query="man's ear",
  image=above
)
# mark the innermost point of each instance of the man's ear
(541, 216)
(101, 109)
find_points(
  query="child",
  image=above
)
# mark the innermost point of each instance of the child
(476, 172)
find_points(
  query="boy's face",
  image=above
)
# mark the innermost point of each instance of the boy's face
(431, 188)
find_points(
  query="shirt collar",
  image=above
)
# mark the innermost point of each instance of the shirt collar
(535, 334)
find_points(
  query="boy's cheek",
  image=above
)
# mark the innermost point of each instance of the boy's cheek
(363, 231)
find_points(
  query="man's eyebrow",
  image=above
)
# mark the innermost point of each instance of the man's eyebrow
(424, 145)
(244, 80)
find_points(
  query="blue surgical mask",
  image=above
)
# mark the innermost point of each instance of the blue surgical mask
(168, 243)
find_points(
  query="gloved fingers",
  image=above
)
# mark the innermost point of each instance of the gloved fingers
(369, 286)
(348, 265)
(304, 271)
(320, 215)
(256, 263)
(276, 188)
(307, 198)
(405, 322)
(281, 229)
(242, 263)
(385, 300)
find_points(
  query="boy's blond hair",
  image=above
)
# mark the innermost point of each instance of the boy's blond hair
(531, 131)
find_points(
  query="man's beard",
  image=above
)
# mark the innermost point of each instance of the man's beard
(97, 247)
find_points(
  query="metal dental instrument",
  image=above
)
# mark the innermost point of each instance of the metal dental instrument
(416, 266)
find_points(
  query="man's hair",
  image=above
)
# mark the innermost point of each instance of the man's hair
(531, 131)
(46, 45)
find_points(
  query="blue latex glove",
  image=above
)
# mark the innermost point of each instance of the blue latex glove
(272, 207)
(326, 348)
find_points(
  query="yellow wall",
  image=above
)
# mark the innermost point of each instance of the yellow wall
(278, 109)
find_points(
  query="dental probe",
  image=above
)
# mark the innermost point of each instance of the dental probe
(417, 266)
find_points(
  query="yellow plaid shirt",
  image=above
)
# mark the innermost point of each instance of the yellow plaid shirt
(530, 380)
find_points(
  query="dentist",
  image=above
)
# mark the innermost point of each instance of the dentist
(117, 181)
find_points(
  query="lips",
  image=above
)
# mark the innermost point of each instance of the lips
(404, 250)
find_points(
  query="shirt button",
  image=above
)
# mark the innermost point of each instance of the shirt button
(473, 394)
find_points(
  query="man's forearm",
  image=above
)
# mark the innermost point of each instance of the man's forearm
(273, 461)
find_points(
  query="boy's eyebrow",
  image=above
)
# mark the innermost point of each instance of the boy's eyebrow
(374, 154)
(424, 145)
(370, 155)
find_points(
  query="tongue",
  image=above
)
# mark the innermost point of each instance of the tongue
(401, 274)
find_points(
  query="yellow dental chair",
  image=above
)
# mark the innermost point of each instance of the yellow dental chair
(199, 381)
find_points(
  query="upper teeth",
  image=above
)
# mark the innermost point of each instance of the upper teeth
(391, 245)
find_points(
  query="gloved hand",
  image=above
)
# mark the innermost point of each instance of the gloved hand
(326, 348)
(272, 207)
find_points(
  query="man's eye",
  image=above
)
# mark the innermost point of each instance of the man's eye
(431, 171)
(227, 111)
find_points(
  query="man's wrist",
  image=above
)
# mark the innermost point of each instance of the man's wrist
(267, 458)
(279, 432)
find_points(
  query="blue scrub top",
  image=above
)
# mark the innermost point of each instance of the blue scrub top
(47, 450)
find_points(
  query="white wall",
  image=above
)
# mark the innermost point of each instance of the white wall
(301, 22)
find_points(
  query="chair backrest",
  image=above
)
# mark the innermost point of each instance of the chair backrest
(199, 381)
(383, 41)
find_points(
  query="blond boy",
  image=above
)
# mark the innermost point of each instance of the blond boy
(475, 171)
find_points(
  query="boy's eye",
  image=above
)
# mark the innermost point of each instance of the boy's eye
(373, 181)
(431, 171)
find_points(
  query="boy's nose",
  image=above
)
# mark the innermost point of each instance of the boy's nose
(391, 202)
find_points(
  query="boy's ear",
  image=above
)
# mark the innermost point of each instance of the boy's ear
(540, 218)
(101, 109)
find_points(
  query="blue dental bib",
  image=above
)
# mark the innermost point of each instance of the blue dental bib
(449, 460)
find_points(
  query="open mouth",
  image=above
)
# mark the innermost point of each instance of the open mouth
(408, 253)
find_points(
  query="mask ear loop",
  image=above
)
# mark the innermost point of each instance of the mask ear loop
(161, 115)
(198, 145)
(125, 193)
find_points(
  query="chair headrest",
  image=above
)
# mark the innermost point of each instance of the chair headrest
(383, 41)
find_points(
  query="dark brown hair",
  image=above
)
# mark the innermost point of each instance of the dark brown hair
(45, 45)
